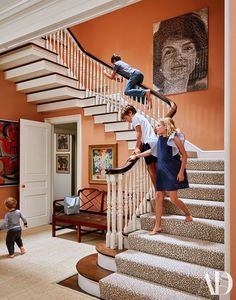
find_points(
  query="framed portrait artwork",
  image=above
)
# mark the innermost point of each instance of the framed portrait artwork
(9, 153)
(63, 163)
(62, 142)
(101, 157)
(180, 53)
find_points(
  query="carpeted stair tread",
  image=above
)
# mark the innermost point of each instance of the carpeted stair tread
(198, 208)
(205, 164)
(203, 191)
(165, 271)
(124, 287)
(206, 177)
(191, 250)
(210, 230)
(88, 267)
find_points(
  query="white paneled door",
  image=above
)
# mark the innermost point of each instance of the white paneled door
(35, 171)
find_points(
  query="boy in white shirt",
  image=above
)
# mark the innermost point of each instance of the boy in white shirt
(145, 135)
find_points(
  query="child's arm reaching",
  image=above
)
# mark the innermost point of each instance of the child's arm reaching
(143, 154)
(180, 176)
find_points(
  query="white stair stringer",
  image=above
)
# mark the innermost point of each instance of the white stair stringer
(55, 94)
(45, 82)
(35, 69)
(66, 104)
(23, 55)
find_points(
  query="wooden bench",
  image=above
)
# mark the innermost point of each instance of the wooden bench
(92, 213)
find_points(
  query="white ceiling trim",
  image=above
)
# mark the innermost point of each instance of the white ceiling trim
(22, 21)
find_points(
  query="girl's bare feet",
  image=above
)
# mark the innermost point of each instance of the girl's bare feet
(155, 231)
(11, 256)
(188, 218)
(22, 250)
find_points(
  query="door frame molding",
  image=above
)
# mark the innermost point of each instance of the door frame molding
(63, 120)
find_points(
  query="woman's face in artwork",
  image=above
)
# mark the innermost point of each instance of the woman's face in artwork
(178, 59)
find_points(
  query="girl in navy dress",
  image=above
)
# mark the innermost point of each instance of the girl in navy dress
(171, 172)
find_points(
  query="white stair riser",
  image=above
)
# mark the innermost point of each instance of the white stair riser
(116, 126)
(89, 111)
(67, 104)
(89, 286)
(105, 118)
(124, 136)
(24, 56)
(106, 262)
(36, 69)
(46, 82)
(55, 94)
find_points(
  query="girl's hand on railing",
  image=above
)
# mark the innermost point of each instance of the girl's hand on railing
(132, 157)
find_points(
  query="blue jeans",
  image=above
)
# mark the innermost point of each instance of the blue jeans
(131, 88)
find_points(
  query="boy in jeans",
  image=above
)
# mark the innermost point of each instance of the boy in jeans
(145, 136)
(12, 224)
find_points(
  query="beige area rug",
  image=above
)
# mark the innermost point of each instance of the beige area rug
(48, 260)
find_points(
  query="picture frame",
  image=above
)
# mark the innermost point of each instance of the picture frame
(101, 157)
(63, 163)
(62, 142)
(9, 152)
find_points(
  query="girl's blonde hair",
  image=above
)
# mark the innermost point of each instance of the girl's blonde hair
(10, 203)
(169, 124)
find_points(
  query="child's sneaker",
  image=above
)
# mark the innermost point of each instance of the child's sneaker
(22, 250)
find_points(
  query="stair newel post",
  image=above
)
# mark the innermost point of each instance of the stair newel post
(120, 213)
(113, 212)
(126, 203)
(108, 234)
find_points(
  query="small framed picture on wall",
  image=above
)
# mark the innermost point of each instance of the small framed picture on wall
(62, 142)
(101, 157)
(63, 163)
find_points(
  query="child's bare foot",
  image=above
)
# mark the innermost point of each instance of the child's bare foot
(22, 250)
(188, 218)
(155, 231)
(11, 256)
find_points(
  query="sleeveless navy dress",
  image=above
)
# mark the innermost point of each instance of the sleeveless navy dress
(168, 167)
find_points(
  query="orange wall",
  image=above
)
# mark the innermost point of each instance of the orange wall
(128, 31)
(93, 134)
(233, 148)
(13, 107)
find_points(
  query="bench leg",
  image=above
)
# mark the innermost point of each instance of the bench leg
(79, 233)
(53, 229)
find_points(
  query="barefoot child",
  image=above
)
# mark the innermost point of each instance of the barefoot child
(12, 223)
(171, 172)
(135, 77)
(145, 134)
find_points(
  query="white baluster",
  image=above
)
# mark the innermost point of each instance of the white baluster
(120, 213)
(114, 212)
(130, 202)
(108, 234)
(141, 185)
(134, 201)
(137, 188)
(126, 203)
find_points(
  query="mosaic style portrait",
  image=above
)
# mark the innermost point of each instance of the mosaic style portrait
(180, 53)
